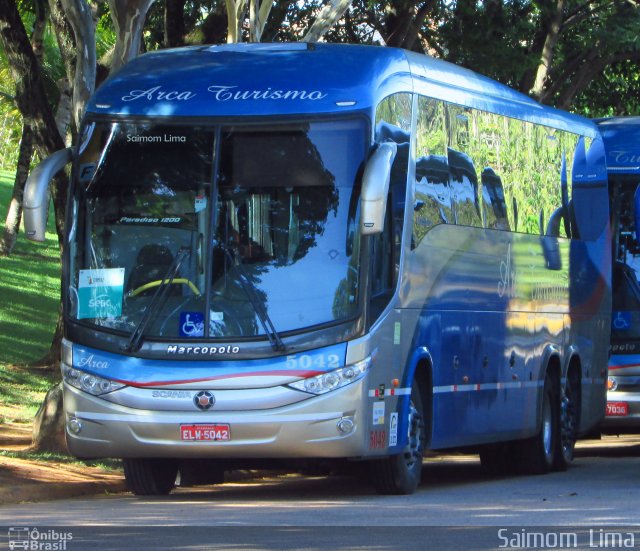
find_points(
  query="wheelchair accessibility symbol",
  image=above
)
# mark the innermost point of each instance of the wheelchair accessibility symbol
(621, 321)
(191, 324)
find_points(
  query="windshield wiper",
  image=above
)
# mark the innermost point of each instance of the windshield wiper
(256, 301)
(157, 300)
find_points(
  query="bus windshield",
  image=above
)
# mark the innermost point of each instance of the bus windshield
(626, 267)
(215, 230)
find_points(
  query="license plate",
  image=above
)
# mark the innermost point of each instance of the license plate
(205, 433)
(617, 409)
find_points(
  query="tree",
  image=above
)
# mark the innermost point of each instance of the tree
(550, 49)
(594, 35)
(25, 152)
(128, 18)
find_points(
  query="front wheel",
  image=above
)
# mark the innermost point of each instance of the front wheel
(150, 477)
(400, 474)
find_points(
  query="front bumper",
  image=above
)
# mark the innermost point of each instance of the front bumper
(630, 421)
(307, 429)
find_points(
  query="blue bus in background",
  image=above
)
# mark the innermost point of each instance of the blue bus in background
(327, 253)
(622, 144)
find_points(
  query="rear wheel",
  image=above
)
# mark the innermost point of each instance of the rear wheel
(536, 455)
(400, 474)
(569, 422)
(150, 477)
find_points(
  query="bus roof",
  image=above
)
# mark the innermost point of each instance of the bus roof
(302, 79)
(621, 136)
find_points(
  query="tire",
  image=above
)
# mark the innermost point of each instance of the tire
(537, 455)
(150, 477)
(569, 423)
(400, 474)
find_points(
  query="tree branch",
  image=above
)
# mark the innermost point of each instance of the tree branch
(329, 15)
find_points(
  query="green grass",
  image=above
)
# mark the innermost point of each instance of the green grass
(22, 390)
(29, 291)
(29, 300)
(104, 464)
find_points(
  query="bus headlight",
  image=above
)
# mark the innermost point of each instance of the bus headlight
(326, 382)
(87, 382)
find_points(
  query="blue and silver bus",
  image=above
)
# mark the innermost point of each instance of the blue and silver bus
(621, 137)
(328, 253)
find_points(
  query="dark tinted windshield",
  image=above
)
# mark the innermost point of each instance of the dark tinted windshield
(260, 221)
(626, 267)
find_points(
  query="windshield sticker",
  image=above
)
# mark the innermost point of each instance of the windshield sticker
(217, 316)
(100, 293)
(621, 321)
(200, 203)
(191, 324)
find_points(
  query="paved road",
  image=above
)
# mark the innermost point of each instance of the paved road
(599, 495)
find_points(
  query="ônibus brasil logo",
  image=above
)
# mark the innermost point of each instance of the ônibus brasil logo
(40, 540)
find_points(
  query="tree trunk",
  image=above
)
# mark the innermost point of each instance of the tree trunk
(30, 94)
(38, 116)
(548, 50)
(84, 75)
(48, 424)
(14, 215)
(128, 18)
(174, 29)
(258, 15)
(235, 15)
(327, 18)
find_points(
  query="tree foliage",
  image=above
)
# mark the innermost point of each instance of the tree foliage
(581, 55)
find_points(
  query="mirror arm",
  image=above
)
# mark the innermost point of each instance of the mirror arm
(36, 198)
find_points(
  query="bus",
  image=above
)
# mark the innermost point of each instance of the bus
(321, 254)
(621, 137)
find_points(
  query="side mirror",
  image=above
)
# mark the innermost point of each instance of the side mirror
(636, 212)
(36, 196)
(375, 187)
(550, 244)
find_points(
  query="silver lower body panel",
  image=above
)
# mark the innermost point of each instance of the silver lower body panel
(308, 429)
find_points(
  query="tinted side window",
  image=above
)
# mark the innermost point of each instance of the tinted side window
(432, 201)
(463, 177)
(393, 123)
